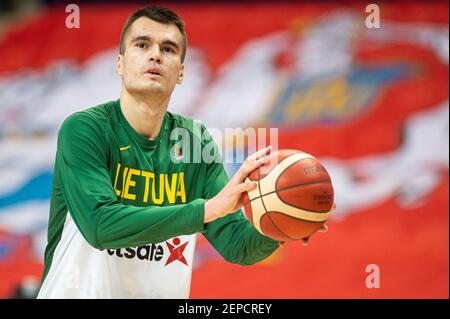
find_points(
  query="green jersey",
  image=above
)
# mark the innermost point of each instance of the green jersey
(125, 210)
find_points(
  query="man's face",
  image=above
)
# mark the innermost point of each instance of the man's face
(152, 58)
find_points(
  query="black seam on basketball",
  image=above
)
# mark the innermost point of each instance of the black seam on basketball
(297, 218)
(259, 169)
(265, 210)
(259, 178)
(298, 185)
(259, 185)
(280, 190)
(276, 227)
(307, 209)
(297, 160)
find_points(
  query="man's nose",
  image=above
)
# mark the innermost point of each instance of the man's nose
(155, 54)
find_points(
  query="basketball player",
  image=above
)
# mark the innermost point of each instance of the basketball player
(123, 213)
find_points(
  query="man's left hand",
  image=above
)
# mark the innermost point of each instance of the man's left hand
(322, 229)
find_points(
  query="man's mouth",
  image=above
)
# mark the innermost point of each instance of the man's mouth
(154, 71)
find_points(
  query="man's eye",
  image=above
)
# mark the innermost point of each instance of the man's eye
(168, 49)
(141, 45)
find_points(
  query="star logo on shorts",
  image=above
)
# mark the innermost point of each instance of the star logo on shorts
(176, 251)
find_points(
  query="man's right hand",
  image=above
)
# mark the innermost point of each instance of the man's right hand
(229, 199)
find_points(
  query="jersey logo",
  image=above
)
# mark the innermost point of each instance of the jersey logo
(176, 253)
(177, 154)
(125, 148)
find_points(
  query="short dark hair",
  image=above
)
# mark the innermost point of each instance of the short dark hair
(158, 14)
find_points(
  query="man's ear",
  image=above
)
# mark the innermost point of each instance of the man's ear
(119, 65)
(180, 75)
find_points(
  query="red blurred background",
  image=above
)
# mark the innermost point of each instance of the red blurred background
(371, 104)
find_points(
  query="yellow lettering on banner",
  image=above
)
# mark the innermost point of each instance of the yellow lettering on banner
(118, 192)
(160, 200)
(337, 95)
(181, 190)
(130, 183)
(148, 176)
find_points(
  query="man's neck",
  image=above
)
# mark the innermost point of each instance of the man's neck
(145, 114)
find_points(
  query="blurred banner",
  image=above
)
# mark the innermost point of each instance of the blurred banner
(370, 103)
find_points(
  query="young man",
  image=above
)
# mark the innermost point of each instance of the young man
(123, 213)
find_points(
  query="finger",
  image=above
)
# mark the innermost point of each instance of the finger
(305, 241)
(246, 186)
(259, 154)
(263, 152)
(249, 167)
(323, 229)
(334, 207)
(251, 163)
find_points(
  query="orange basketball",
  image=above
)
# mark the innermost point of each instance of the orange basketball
(294, 196)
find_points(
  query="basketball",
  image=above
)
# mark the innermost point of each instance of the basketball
(293, 198)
